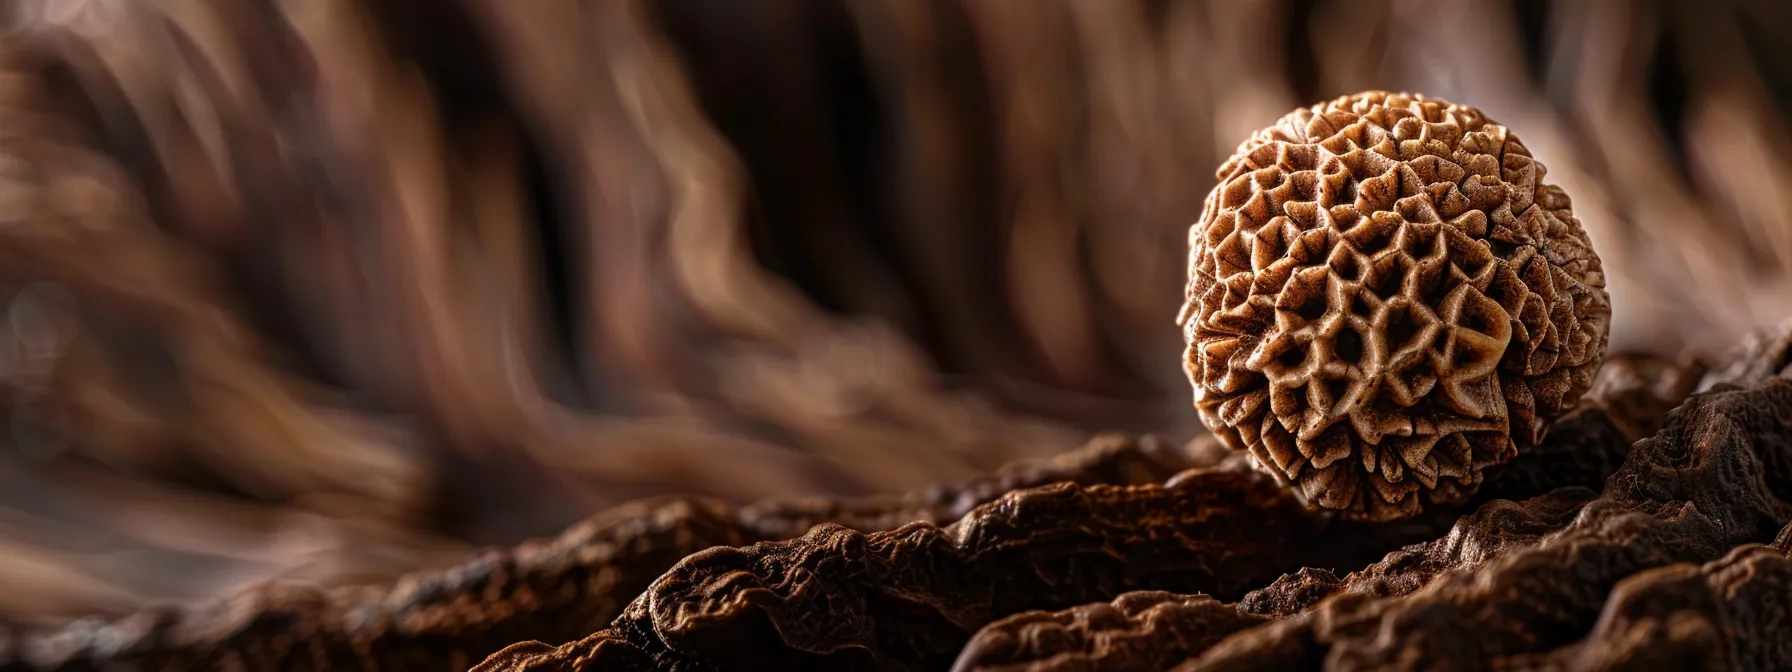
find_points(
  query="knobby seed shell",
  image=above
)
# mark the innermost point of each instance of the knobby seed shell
(1385, 299)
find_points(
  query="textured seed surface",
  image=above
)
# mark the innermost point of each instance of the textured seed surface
(1385, 298)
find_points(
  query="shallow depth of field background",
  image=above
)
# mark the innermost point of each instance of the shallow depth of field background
(333, 290)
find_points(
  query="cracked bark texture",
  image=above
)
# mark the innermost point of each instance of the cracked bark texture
(909, 597)
(1727, 614)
